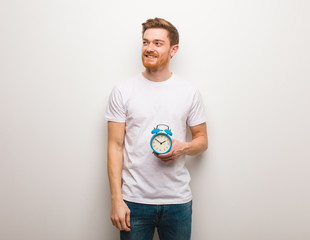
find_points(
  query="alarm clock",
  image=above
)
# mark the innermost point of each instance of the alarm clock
(161, 142)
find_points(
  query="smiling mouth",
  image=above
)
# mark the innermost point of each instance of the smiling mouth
(150, 56)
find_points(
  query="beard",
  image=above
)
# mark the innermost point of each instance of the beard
(154, 63)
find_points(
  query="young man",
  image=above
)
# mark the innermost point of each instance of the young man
(151, 190)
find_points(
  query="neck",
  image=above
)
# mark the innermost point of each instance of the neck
(157, 75)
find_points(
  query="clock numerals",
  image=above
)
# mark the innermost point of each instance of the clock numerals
(161, 143)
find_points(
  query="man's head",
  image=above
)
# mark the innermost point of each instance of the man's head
(173, 33)
(160, 43)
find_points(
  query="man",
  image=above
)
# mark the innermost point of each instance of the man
(150, 190)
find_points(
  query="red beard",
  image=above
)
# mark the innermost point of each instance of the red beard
(154, 63)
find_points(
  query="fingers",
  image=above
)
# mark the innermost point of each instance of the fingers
(162, 156)
(166, 155)
(118, 224)
(121, 220)
(170, 156)
(121, 223)
(127, 218)
(124, 226)
(167, 158)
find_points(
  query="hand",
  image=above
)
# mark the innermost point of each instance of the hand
(177, 150)
(120, 215)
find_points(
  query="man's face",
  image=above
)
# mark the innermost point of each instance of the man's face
(156, 50)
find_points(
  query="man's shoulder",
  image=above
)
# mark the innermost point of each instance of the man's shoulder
(127, 83)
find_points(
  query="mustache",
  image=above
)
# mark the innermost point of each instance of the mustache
(151, 53)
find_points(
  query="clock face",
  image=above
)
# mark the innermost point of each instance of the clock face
(161, 143)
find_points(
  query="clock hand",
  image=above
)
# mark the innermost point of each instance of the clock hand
(163, 142)
(157, 141)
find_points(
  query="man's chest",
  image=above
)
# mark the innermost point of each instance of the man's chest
(158, 103)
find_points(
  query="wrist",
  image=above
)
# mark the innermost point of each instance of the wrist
(116, 198)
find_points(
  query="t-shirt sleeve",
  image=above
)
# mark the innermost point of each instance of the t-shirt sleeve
(197, 114)
(115, 111)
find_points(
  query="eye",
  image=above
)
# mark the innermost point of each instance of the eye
(158, 44)
(145, 42)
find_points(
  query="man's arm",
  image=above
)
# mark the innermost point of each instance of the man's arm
(198, 144)
(120, 213)
(199, 141)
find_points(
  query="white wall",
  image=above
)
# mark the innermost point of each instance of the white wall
(58, 63)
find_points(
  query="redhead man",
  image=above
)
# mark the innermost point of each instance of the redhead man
(150, 190)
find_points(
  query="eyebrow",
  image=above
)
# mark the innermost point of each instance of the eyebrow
(156, 40)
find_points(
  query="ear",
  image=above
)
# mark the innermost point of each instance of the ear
(173, 50)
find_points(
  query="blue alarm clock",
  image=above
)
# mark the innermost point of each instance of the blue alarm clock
(161, 142)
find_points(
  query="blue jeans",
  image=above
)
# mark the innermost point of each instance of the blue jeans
(173, 222)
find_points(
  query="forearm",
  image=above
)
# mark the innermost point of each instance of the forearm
(196, 146)
(120, 213)
(115, 165)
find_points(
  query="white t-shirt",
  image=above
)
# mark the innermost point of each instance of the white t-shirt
(142, 105)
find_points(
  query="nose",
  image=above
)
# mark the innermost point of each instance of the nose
(150, 47)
